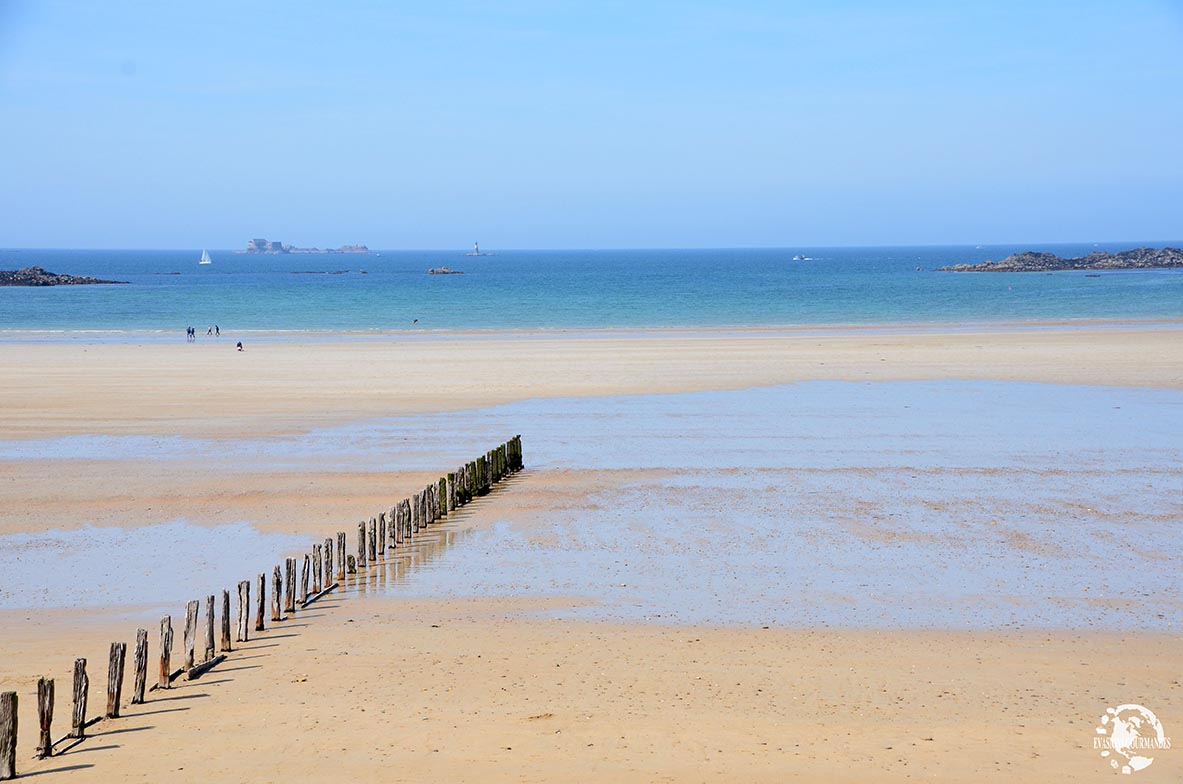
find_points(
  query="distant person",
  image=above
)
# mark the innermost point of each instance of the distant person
(416, 321)
(240, 345)
(217, 332)
(209, 331)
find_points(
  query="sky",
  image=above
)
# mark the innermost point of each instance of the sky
(588, 124)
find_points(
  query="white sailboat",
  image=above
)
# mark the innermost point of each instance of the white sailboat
(205, 259)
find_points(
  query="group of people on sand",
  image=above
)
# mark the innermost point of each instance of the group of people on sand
(213, 331)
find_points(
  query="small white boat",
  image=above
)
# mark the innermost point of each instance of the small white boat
(800, 257)
(205, 259)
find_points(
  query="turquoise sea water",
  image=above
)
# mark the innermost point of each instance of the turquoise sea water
(566, 289)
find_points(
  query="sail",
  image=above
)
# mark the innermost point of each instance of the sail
(205, 259)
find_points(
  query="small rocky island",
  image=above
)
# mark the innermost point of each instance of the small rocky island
(444, 271)
(36, 276)
(1031, 261)
(273, 247)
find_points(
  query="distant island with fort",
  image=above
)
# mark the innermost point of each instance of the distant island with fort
(1032, 261)
(265, 246)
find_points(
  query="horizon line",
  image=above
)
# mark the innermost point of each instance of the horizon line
(804, 246)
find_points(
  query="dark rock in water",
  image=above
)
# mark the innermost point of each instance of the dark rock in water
(444, 271)
(36, 276)
(1139, 258)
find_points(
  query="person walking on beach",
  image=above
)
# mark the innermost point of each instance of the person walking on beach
(209, 331)
(217, 332)
(240, 345)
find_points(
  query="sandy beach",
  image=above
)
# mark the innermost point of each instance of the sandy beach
(209, 389)
(385, 681)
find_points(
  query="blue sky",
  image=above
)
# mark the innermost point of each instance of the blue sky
(598, 124)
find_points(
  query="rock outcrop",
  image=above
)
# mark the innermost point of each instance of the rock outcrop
(1139, 258)
(36, 276)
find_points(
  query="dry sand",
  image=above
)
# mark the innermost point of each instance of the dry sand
(369, 687)
(210, 389)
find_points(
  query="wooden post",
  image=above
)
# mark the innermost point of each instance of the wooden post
(373, 551)
(441, 498)
(414, 514)
(276, 595)
(328, 556)
(8, 735)
(81, 692)
(190, 631)
(209, 628)
(289, 602)
(226, 621)
(351, 565)
(316, 566)
(166, 647)
(305, 573)
(244, 610)
(450, 493)
(115, 678)
(382, 533)
(45, 716)
(340, 556)
(140, 681)
(261, 603)
(361, 545)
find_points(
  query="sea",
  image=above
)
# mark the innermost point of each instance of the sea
(388, 291)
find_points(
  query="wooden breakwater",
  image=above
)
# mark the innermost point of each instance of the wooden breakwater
(325, 568)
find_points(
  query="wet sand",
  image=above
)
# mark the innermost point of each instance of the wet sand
(408, 677)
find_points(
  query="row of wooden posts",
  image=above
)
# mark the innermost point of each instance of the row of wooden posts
(320, 574)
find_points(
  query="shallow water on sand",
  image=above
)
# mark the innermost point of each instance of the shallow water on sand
(943, 503)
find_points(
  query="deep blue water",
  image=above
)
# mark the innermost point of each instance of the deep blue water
(567, 289)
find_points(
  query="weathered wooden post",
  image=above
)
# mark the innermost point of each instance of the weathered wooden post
(276, 595)
(328, 556)
(450, 491)
(45, 717)
(226, 622)
(261, 603)
(140, 680)
(316, 567)
(166, 647)
(373, 551)
(289, 602)
(415, 513)
(190, 632)
(209, 628)
(361, 545)
(115, 678)
(351, 564)
(81, 692)
(382, 533)
(244, 610)
(441, 497)
(305, 573)
(340, 556)
(8, 704)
